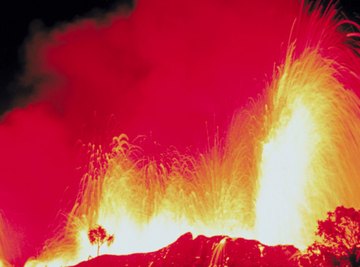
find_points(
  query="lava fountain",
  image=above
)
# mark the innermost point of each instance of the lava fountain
(305, 156)
(287, 158)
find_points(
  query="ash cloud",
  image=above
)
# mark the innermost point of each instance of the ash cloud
(19, 27)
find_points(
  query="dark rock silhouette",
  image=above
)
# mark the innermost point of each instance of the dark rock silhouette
(204, 251)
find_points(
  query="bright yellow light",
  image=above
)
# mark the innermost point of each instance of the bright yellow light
(284, 170)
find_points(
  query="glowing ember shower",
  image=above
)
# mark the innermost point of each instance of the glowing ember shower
(311, 150)
(9, 248)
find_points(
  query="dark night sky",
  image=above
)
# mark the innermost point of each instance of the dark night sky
(16, 18)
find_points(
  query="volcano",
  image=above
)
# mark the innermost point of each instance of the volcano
(203, 251)
(186, 134)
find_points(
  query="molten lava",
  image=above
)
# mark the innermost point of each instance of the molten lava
(286, 159)
(302, 159)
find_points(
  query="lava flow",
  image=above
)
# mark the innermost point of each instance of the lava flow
(275, 165)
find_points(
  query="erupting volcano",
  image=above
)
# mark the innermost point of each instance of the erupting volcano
(218, 119)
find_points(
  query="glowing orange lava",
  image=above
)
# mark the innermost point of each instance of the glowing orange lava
(300, 164)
